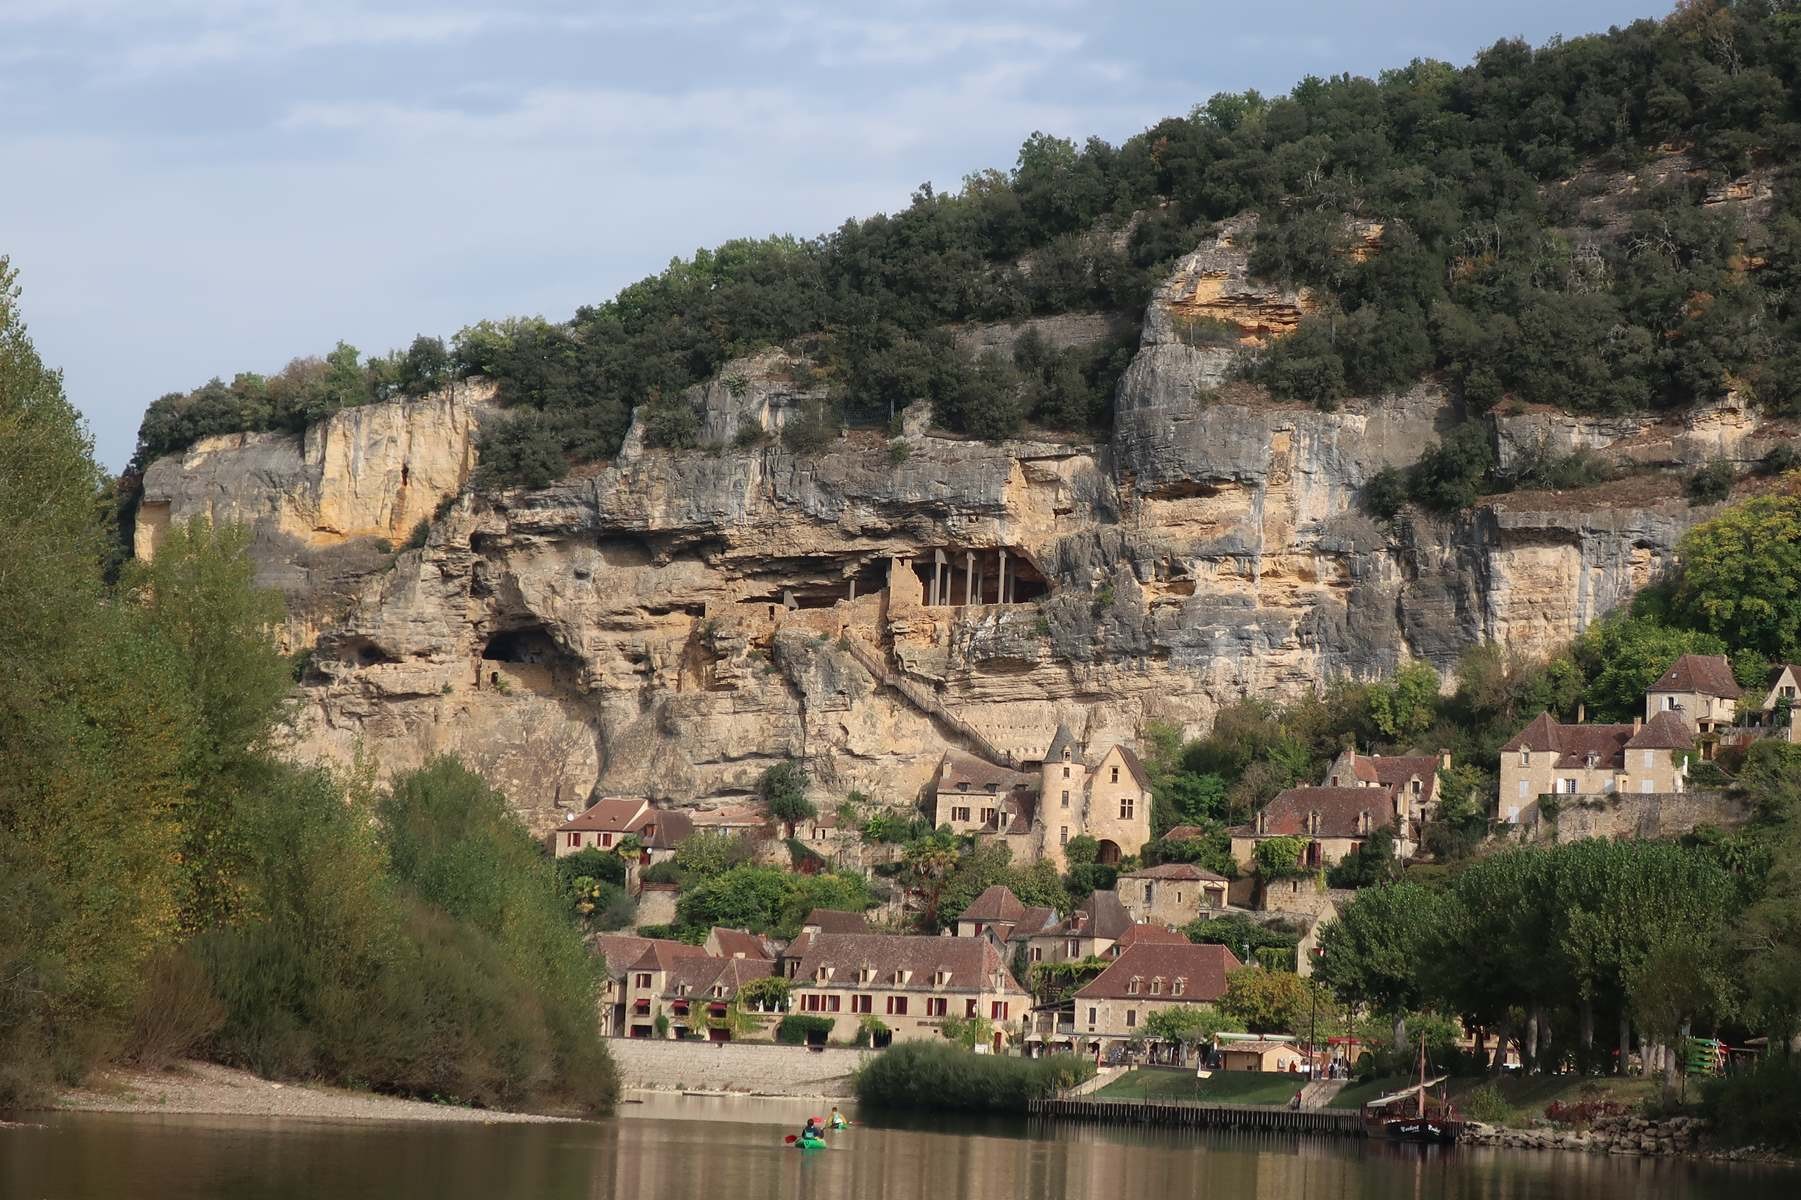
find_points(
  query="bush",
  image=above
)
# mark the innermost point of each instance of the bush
(1712, 483)
(416, 539)
(796, 1029)
(936, 1076)
(1760, 1105)
(176, 1011)
(1486, 1104)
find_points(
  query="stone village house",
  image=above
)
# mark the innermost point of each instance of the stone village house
(1071, 794)
(1171, 894)
(1111, 1008)
(1333, 821)
(1549, 757)
(912, 984)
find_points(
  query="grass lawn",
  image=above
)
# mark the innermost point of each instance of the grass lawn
(1524, 1097)
(1238, 1087)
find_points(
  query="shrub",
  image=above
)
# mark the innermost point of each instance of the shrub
(1779, 459)
(1712, 483)
(796, 1029)
(1759, 1105)
(416, 539)
(1486, 1104)
(936, 1076)
(176, 1011)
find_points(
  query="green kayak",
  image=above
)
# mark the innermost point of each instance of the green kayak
(810, 1144)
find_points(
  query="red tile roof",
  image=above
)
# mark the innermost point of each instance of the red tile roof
(973, 963)
(695, 977)
(965, 774)
(1703, 674)
(621, 950)
(1185, 871)
(1573, 744)
(1665, 731)
(741, 943)
(1341, 811)
(1146, 933)
(1203, 970)
(614, 814)
(1183, 833)
(1102, 915)
(998, 903)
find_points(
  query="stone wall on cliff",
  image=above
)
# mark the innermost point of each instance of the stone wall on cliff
(674, 622)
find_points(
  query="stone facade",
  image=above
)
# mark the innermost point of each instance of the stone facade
(1171, 894)
(746, 1067)
(912, 985)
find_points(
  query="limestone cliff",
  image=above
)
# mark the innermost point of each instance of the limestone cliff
(673, 622)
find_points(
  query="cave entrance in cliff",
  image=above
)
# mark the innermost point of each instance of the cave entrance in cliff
(530, 656)
(1109, 853)
(951, 577)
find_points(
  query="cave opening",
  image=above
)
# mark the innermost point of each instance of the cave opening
(954, 577)
(530, 645)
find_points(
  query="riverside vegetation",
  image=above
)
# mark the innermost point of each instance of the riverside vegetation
(170, 886)
(1510, 261)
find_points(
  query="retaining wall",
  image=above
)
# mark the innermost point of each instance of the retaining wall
(745, 1067)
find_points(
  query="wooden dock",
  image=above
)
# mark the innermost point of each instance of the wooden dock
(1319, 1121)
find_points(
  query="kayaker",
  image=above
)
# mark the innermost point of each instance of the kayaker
(838, 1121)
(812, 1130)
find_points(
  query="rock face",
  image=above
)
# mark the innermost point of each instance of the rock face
(673, 623)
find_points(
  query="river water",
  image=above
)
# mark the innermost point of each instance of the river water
(689, 1148)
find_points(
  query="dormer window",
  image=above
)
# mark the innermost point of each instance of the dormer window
(993, 788)
(719, 992)
(940, 978)
(1525, 757)
(1181, 986)
(1157, 985)
(963, 785)
(1132, 987)
(1066, 754)
(866, 975)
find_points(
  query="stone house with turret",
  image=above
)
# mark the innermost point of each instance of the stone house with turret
(1105, 795)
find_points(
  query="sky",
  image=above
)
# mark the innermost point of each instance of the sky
(192, 188)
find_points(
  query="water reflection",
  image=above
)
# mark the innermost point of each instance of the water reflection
(675, 1148)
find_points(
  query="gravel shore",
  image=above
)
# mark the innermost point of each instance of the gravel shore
(197, 1087)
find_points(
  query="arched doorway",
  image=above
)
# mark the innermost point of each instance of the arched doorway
(1109, 854)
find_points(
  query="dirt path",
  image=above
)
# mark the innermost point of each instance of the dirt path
(197, 1087)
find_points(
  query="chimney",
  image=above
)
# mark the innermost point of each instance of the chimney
(1444, 759)
(1637, 723)
(1581, 712)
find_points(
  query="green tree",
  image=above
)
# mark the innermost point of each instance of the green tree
(1741, 576)
(784, 788)
(1623, 654)
(1377, 952)
(1267, 1001)
(1407, 705)
(1279, 857)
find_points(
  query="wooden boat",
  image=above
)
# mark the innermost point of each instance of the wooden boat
(1436, 1124)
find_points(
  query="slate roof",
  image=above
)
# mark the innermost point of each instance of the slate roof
(1703, 674)
(972, 962)
(1573, 743)
(1065, 738)
(1185, 871)
(1102, 915)
(1202, 968)
(831, 920)
(1339, 809)
(998, 903)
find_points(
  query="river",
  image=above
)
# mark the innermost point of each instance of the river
(686, 1148)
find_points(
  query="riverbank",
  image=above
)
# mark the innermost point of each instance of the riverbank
(200, 1088)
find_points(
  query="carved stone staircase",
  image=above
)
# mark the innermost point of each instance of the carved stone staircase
(926, 701)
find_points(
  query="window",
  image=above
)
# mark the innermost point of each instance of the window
(1416, 787)
(969, 1008)
(1132, 988)
(1644, 785)
(1670, 704)
(1181, 986)
(1525, 757)
(1066, 754)
(1066, 772)
(1115, 776)
(1125, 808)
(831, 1003)
(935, 1006)
(606, 839)
(897, 1006)
(1647, 759)
(1157, 986)
(1065, 799)
(987, 815)
(1131, 1018)
(963, 785)
(641, 979)
(1063, 836)
(575, 839)
(860, 1004)
(1567, 787)
(1091, 1017)
(997, 1010)
(1037, 953)
(959, 814)
(1075, 948)
(1524, 789)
